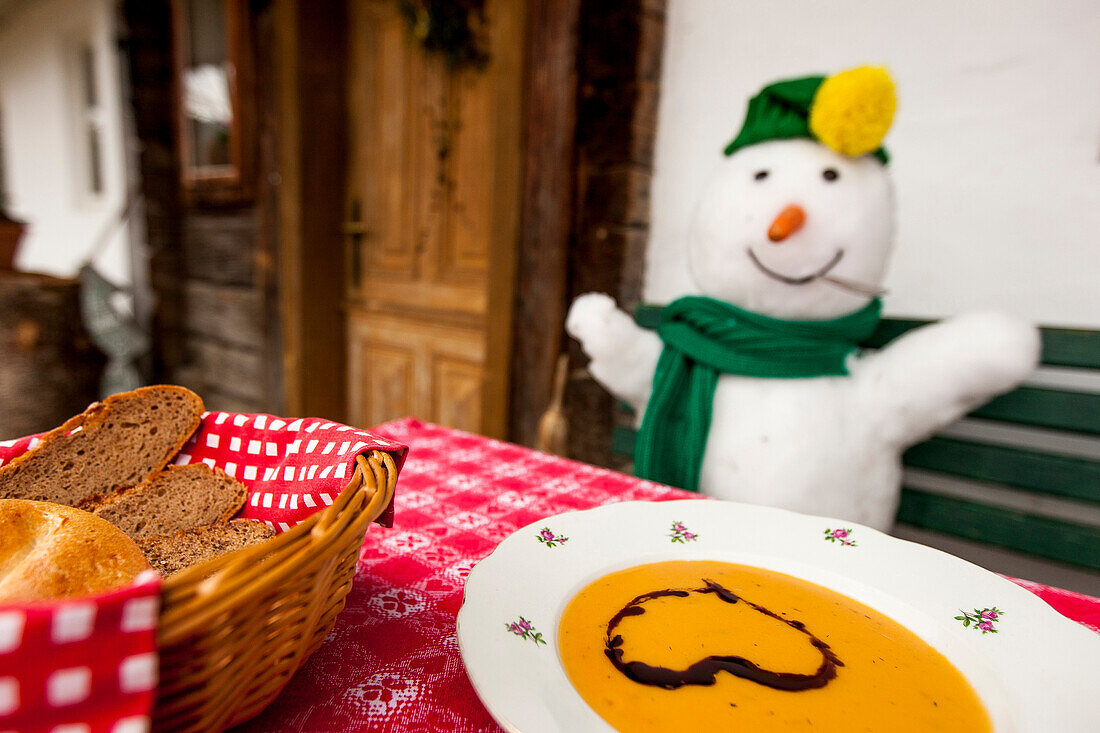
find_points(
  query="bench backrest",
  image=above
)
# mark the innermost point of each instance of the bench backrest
(1021, 471)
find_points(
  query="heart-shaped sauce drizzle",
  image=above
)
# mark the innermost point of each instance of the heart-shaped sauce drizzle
(705, 670)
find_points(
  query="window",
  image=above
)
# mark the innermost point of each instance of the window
(90, 121)
(211, 77)
(87, 121)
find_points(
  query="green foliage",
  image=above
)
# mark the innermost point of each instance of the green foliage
(452, 28)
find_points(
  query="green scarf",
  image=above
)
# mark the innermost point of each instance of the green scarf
(706, 337)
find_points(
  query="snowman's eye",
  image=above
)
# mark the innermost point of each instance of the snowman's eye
(830, 174)
(761, 175)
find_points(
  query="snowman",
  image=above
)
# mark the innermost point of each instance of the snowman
(752, 389)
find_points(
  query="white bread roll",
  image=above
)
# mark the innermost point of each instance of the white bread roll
(53, 551)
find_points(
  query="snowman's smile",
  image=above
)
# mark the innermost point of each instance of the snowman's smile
(822, 272)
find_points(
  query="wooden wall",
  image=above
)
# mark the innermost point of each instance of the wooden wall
(212, 266)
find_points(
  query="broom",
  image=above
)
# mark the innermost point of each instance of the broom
(553, 430)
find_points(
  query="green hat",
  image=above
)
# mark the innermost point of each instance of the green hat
(849, 112)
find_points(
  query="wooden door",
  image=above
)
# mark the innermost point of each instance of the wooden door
(432, 214)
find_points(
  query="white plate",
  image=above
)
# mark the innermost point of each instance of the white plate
(1039, 672)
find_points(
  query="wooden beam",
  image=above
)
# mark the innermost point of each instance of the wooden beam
(510, 31)
(547, 209)
(311, 145)
(619, 65)
(287, 146)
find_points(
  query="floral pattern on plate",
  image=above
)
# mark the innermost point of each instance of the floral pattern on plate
(548, 538)
(840, 535)
(524, 630)
(982, 620)
(682, 534)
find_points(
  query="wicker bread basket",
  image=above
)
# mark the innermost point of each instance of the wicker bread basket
(233, 630)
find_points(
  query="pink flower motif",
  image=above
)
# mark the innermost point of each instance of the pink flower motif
(681, 535)
(840, 535)
(982, 619)
(547, 537)
(524, 629)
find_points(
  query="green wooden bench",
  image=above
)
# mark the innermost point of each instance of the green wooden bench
(1021, 472)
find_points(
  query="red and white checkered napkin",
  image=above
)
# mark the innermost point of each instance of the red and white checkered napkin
(293, 468)
(89, 665)
(83, 665)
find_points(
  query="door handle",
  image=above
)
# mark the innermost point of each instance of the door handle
(354, 232)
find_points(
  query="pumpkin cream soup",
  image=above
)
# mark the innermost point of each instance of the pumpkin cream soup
(715, 646)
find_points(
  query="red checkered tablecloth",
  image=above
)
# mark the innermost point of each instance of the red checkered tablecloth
(392, 662)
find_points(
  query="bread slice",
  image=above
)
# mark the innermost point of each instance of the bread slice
(172, 553)
(112, 445)
(178, 498)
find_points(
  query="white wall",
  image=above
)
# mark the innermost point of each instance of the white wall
(995, 147)
(43, 158)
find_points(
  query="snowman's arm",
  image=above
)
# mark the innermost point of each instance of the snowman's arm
(933, 375)
(624, 355)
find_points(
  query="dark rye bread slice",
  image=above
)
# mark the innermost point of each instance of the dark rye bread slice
(178, 498)
(112, 445)
(172, 553)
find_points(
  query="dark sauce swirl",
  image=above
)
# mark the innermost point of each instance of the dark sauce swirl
(705, 670)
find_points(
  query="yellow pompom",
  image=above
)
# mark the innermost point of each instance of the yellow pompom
(852, 110)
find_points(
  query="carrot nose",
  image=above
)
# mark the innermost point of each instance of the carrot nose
(789, 221)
